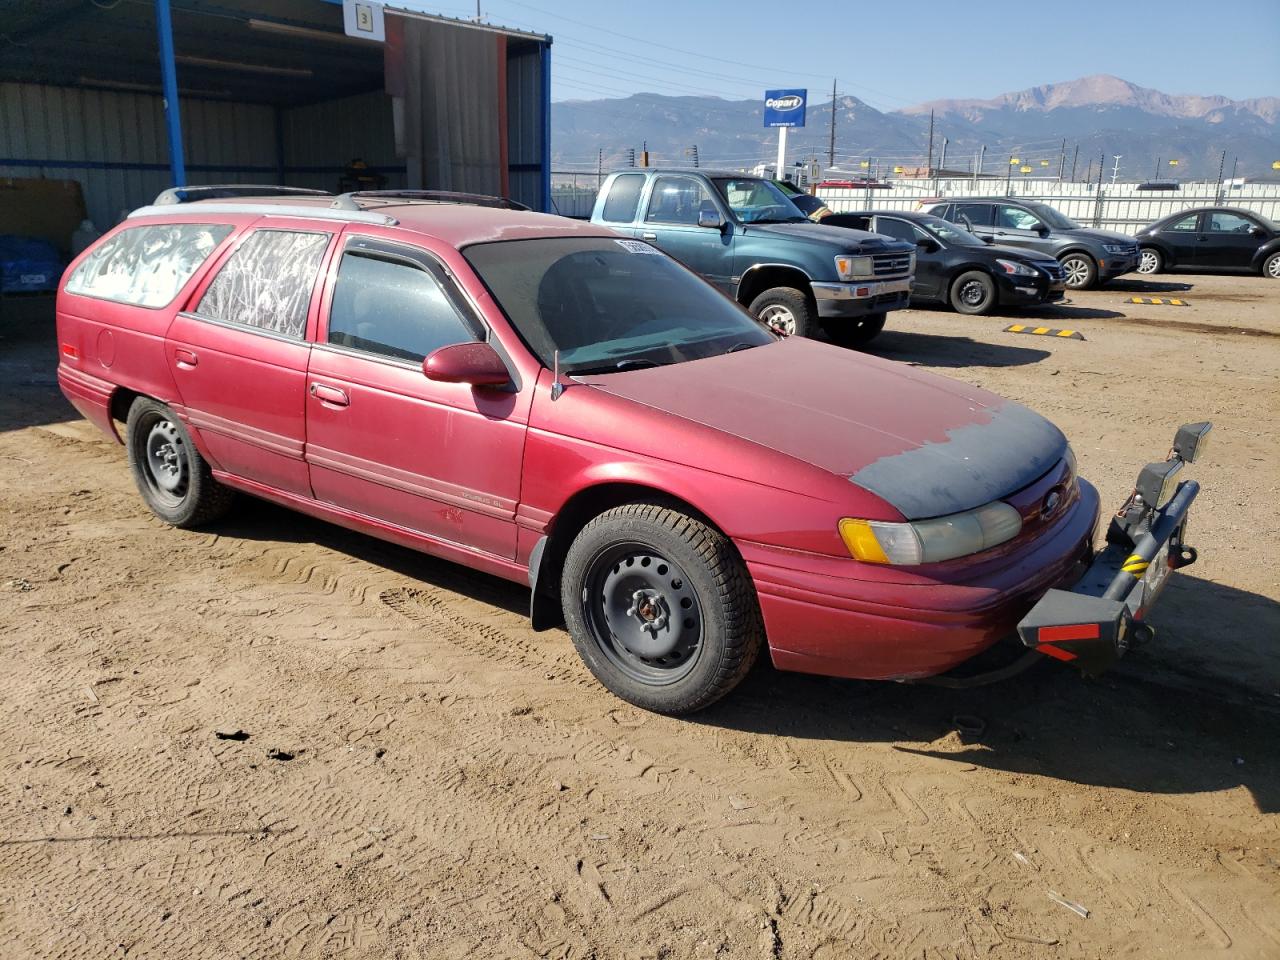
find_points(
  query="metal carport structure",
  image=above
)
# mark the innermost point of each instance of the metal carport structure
(267, 91)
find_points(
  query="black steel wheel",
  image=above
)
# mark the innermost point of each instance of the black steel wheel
(660, 607)
(973, 293)
(172, 477)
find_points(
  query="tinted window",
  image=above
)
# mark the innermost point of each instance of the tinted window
(267, 282)
(678, 200)
(1221, 222)
(1015, 218)
(392, 308)
(146, 266)
(1187, 224)
(898, 229)
(941, 210)
(609, 304)
(624, 198)
(978, 214)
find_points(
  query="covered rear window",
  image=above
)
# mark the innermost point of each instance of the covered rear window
(147, 266)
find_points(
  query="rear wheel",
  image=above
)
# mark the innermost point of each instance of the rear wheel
(973, 293)
(660, 608)
(785, 310)
(1271, 266)
(855, 332)
(1081, 271)
(172, 477)
(1150, 260)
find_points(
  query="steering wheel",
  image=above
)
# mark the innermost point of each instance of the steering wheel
(771, 212)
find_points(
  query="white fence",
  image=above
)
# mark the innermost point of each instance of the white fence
(1119, 206)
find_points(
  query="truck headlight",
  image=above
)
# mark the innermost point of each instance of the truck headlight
(1017, 269)
(931, 541)
(854, 268)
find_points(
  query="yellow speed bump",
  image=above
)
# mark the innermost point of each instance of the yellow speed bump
(1045, 331)
(1159, 301)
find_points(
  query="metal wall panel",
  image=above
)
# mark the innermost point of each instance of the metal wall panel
(525, 122)
(321, 138)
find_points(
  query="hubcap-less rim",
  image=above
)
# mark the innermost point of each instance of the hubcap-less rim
(779, 319)
(643, 614)
(973, 293)
(168, 470)
(1148, 262)
(1077, 272)
(1273, 267)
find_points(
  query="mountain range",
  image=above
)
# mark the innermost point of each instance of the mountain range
(1099, 115)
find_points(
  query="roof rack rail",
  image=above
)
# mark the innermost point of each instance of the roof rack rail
(275, 210)
(347, 201)
(222, 191)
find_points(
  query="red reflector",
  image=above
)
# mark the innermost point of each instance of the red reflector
(1076, 631)
(862, 291)
(69, 351)
(1055, 652)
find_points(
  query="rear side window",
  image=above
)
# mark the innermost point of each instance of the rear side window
(942, 210)
(267, 282)
(393, 309)
(978, 214)
(1188, 223)
(898, 229)
(146, 266)
(624, 198)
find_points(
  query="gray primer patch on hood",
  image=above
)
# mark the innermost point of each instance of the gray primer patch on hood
(978, 463)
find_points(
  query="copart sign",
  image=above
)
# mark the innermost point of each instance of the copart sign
(785, 108)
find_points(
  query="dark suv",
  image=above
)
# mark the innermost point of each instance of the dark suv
(1088, 256)
(746, 237)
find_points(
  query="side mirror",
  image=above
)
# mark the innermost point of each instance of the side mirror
(475, 363)
(927, 245)
(1257, 231)
(710, 219)
(988, 238)
(1042, 230)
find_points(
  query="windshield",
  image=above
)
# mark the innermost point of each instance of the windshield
(757, 201)
(1052, 217)
(609, 304)
(948, 232)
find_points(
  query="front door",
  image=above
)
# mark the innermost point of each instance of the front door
(1016, 227)
(239, 355)
(441, 459)
(928, 279)
(671, 222)
(1230, 240)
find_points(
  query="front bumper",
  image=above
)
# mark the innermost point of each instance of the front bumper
(1018, 291)
(861, 297)
(1113, 265)
(1094, 623)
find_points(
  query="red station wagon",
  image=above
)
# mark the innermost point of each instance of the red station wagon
(546, 401)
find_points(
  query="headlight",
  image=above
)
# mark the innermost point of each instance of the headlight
(931, 541)
(911, 267)
(1017, 269)
(854, 268)
(1158, 481)
(1117, 248)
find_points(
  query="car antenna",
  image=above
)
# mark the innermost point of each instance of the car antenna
(557, 387)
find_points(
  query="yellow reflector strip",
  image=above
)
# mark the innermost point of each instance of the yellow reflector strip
(1017, 328)
(1065, 333)
(861, 541)
(1040, 330)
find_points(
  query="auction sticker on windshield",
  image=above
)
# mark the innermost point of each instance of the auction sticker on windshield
(635, 246)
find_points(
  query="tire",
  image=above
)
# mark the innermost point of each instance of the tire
(1150, 260)
(1271, 266)
(855, 332)
(172, 477)
(1081, 270)
(973, 293)
(786, 310)
(632, 643)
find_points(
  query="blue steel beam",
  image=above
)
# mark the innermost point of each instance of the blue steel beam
(169, 82)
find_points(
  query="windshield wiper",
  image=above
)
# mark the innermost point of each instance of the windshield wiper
(630, 363)
(741, 346)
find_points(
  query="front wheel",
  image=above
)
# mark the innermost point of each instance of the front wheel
(855, 332)
(1150, 260)
(1081, 271)
(1271, 266)
(973, 293)
(172, 477)
(660, 608)
(785, 310)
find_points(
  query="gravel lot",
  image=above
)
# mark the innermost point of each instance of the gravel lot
(411, 772)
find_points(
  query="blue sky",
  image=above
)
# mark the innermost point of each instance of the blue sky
(892, 54)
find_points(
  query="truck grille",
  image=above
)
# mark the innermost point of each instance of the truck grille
(891, 264)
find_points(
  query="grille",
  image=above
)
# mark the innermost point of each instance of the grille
(891, 264)
(1053, 268)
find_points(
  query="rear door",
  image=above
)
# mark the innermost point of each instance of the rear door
(1230, 240)
(442, 459)
(671, 222)
(978, 218)
(1183, 238)
(239, 353)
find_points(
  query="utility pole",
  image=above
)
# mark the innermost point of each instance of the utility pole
(942, 163)
(831, 142)
(1235, 163)
(929, 170)
(1008, 176)
(1217, 196)
(1156, 175)
(1062, 161)
(1115, 172)
(1074, 158)
(982, 155)
(599, 168)
(693, 152)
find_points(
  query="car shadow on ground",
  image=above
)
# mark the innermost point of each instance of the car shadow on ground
(950, 351)
(1162, 722)
(1130, 285)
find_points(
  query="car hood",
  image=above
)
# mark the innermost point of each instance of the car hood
(1105, 236)
(843, 237)
(1020, 256)
(927, 445)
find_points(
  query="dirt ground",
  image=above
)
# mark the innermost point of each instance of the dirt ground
(414, 773)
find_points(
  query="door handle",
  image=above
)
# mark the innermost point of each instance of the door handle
(331, 395)
(185, 358)
(648, 236)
